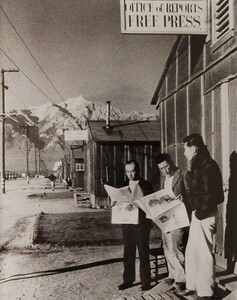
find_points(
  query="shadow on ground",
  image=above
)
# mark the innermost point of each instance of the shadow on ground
(80, 229)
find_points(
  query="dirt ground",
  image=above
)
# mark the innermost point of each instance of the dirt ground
(52, 272)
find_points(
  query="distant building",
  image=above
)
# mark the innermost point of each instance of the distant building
(197, 93)
(77, 166)
(108, 149)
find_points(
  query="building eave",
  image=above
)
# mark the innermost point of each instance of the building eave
(166, 69)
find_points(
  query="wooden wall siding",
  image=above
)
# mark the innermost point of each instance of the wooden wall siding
(109, 161)
(163, 90)
(181, 117)
(233, 114)
(140, 157)
(87, 170)
(153, 174)
(165, 124)
(172, 153)
(221, 71)
(170, 122)
(162, 125)
(78, 179)
(196, 48)
(195, 113)
(213, 56)
(92, 167)
(181, 159)
(233, 41)
(217, 135)
(171, 82)
(231, 208)
(119, 165)
(205, 114)
(105, 161)
(183, 62)
(208, 120)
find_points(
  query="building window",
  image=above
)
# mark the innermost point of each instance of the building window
(80, 167)
(222, 18)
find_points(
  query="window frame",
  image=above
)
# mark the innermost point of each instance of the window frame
(79, 167)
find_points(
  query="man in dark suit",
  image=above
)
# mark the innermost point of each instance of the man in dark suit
(136, 235)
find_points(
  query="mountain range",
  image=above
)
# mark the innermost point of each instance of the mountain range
(45, 124)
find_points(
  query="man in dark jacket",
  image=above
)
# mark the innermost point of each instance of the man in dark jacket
(136, 235)
(205, 192)
(174, 242)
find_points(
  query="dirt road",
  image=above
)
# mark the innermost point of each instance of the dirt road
(56, 273)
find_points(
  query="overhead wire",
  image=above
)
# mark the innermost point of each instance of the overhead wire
(27, 77)
(32, 54)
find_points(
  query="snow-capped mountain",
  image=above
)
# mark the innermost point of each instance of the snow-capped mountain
(46, 123)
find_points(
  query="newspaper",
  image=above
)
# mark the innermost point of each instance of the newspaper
(168, 212)
(124, 209)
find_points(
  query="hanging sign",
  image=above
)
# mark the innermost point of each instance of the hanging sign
(76, 135)
(164, 17)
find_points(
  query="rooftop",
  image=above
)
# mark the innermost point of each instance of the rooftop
(125, 131)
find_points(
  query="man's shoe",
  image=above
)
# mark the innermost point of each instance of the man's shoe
(185, 292)
(125, 285)
(173, 289)
(205, 297)
(145, 287)
(168, 281)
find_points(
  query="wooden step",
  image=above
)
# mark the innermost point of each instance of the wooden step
(225, 280)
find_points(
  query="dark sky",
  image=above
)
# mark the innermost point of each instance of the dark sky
(79, 45)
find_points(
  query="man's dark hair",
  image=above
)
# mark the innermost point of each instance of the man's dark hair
(164, 157)
(135, 163)
(194, 139)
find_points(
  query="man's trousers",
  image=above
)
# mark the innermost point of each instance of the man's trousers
(136, 235)
(199, 261)
(174, 243)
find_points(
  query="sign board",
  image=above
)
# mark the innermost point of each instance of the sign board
(76, 135)
(164, 17)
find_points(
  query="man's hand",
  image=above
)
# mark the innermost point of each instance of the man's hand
(179, 197)
(131, 206)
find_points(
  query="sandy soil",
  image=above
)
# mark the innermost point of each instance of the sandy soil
(57, 272)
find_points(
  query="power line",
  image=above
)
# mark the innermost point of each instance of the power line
(32, 55)
(27, 77)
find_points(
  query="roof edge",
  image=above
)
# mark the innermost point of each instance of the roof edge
(166, 69)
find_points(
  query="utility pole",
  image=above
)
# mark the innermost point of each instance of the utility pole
(4, 87)
(27, 148)
(27, 152)
(35, 160)
(39, 160)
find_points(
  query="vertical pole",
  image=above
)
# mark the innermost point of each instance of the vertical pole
(27, 151)
(3, 135)
(2, 171)
(39, 161)
(35, 160)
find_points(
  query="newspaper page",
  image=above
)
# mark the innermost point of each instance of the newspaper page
(167, 212)
(124, 211)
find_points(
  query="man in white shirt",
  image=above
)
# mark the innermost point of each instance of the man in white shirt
(174, 242)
